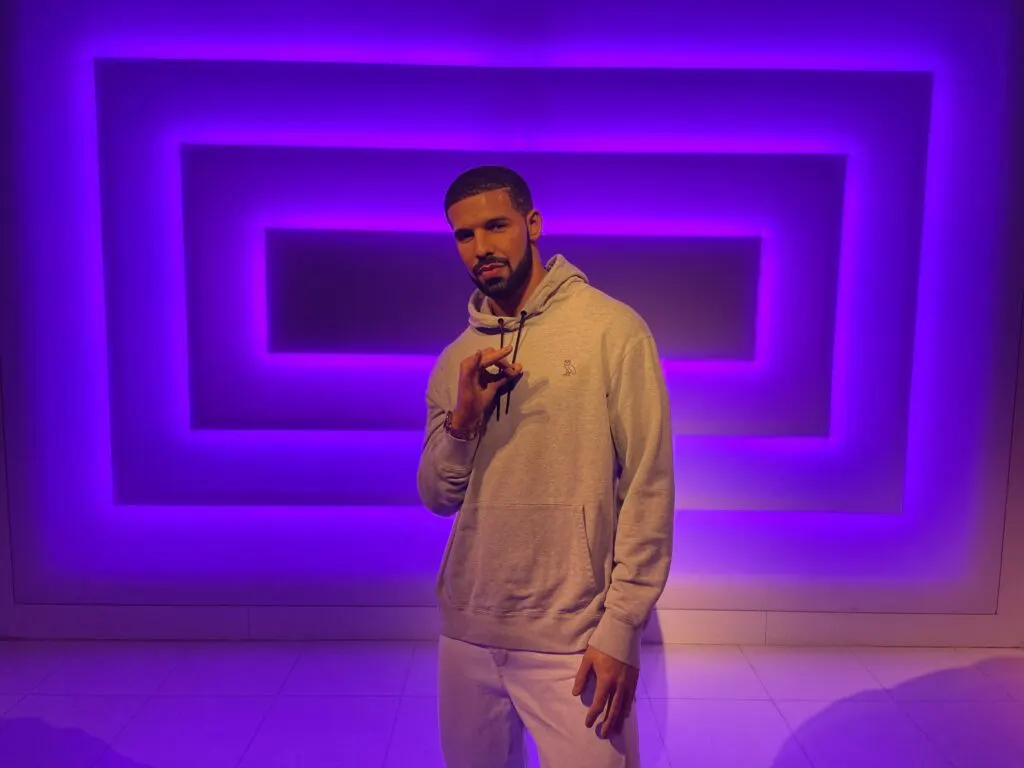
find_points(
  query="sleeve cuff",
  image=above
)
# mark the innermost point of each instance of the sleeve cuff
(453, 452)
(618, 639)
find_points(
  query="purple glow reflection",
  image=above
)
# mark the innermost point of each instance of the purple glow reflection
(725, 559)
(852, 537)
(397, 137)
(697, 53)
(714, 395)
(870, 143)
(256, 343)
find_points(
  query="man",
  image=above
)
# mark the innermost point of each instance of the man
(548, 431)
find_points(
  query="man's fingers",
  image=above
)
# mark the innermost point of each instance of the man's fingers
(490, 357)
(581, 677)
(502, 376)
(627, 706)
(505, 368)
(470, 364)
(613, 719)
(600, 702)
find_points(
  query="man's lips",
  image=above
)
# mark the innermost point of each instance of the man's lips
(490, 269)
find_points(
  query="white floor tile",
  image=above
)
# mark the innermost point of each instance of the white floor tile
(929, 674)
(726, 734)
(422, 677)
(189, 732)
(113, 668)
(65, 731)
(233, 669)
(350, 669)
(322, 731)
(699, 672)
(974, 733)
(24, 665)
(1003, 665)
(653, 751)
(813, 674)
(860, 734)
(415, 740)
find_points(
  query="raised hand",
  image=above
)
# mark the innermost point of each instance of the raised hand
(479, 384)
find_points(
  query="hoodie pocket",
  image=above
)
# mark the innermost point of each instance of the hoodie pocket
(520, 558)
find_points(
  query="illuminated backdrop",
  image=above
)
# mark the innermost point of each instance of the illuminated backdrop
(234, 273)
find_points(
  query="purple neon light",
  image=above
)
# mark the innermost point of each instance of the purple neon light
(699, 296)
(256, 343)
(248, 315)
(712, 396)
(681, 48)
(943, 251)
(716, 394)
(855, 492)
(889, 445)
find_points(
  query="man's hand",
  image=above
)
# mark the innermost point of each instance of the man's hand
(478, 386)
(615, 689)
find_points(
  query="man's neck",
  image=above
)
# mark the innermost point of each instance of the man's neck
(513, 305)
(508, 307)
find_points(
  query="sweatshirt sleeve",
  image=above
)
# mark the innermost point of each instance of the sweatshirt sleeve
(642, 430)
(446, 463)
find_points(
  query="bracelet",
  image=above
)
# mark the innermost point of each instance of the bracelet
(461, 434)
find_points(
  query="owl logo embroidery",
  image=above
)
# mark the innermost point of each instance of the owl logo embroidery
(568, 369)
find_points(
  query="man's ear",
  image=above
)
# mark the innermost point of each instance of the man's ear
(534, 224)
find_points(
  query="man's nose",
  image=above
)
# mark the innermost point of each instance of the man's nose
(483, 248)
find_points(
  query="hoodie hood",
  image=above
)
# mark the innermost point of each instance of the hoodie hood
(560, 277)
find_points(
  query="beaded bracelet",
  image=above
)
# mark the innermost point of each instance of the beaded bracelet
(461, 434)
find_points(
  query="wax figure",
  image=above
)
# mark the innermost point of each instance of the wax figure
(549, 436)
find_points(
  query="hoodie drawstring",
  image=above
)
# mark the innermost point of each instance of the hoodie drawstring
(501, 325)
(515, 355)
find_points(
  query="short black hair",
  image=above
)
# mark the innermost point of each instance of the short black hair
(485, 178)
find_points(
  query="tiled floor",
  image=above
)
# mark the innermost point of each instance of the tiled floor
(256, 705)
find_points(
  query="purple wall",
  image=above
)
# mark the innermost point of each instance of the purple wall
(230, 272)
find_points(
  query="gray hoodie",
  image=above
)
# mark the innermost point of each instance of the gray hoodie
(566, 501)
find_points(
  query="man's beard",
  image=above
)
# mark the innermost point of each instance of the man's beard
(500, 288)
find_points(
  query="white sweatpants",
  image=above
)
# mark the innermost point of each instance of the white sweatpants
(486, 696)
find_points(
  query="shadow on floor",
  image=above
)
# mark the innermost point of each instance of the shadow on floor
(28, 742)
(922, 722)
